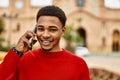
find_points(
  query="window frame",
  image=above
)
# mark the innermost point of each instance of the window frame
(82, 4)
(5, 3)
(32, 3)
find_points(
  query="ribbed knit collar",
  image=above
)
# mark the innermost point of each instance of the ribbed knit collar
(51, 54)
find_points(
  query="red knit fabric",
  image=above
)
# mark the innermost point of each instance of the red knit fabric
(40, 65)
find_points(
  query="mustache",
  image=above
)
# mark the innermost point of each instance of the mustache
(45, 39)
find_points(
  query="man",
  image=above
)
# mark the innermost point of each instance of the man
(49, 62)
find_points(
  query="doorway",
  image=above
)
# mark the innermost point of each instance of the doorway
(82, 34)
(116, 39)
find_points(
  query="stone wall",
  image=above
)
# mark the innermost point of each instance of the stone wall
(102, 74)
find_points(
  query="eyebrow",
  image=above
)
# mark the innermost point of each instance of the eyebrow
(41, 26)
(53, 26)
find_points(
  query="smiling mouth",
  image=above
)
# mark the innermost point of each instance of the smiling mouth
(46, 42)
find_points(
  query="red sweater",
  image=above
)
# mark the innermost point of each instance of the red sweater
(40, 65)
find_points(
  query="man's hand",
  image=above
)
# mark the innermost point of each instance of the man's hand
(23, 44)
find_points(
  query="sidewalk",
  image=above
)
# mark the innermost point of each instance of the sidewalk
(2, 55)
(109, 63)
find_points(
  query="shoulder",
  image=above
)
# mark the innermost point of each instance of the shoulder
(74, 57)
(75, 60)
(31, 54)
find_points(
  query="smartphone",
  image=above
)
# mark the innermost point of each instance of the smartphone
(31, 40)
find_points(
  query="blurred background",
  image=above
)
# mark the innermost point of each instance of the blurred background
(93, 30)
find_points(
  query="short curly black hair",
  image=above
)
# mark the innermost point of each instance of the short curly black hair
(52, 11)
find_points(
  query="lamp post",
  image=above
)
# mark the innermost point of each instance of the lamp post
(9, 17)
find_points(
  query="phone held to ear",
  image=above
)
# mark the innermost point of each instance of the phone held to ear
(32, 42)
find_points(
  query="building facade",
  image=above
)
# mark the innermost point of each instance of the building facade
(98, 25)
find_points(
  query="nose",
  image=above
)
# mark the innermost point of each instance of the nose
(46, 34)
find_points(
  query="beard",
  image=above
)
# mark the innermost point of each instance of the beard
(46, 49)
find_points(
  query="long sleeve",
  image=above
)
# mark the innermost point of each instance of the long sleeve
(8, 68)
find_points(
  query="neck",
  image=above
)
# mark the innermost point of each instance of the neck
(50, 50)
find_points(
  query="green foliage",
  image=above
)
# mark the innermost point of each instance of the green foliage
(1, 25)
(1, 39)
(72, 36)
(2, 48)
(68, 35)
(79, 19)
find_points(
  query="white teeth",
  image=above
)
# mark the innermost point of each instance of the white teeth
(46, 42)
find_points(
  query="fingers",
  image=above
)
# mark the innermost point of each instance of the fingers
(23, 43)
(29, 34)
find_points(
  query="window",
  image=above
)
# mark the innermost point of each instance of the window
(40, 2)
(113, 4)
(116, 39)
(19, 4)
(80, 3)
(4, 3)
(18, 27)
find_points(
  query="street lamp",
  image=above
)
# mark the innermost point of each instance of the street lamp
(9, 17)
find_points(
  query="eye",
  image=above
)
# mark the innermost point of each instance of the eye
(53, 30)
(40, 29)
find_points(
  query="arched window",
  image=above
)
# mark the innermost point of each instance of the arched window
(116, 39)
(113, 4)
(82, 34)
(80, 3)
(4, 3)
(36, 3)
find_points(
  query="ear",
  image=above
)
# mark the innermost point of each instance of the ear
(63, 30)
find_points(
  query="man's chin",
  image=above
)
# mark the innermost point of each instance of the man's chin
(45, 49)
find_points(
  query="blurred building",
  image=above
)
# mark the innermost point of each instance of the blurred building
(98, 24)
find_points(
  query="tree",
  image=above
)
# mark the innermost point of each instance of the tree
(1, 25)
(72, 37)
(1, 30)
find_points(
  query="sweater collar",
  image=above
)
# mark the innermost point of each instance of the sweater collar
(51, 54)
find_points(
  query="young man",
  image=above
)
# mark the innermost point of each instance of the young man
(49, 62)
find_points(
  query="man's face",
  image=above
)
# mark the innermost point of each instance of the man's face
(49, 32)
